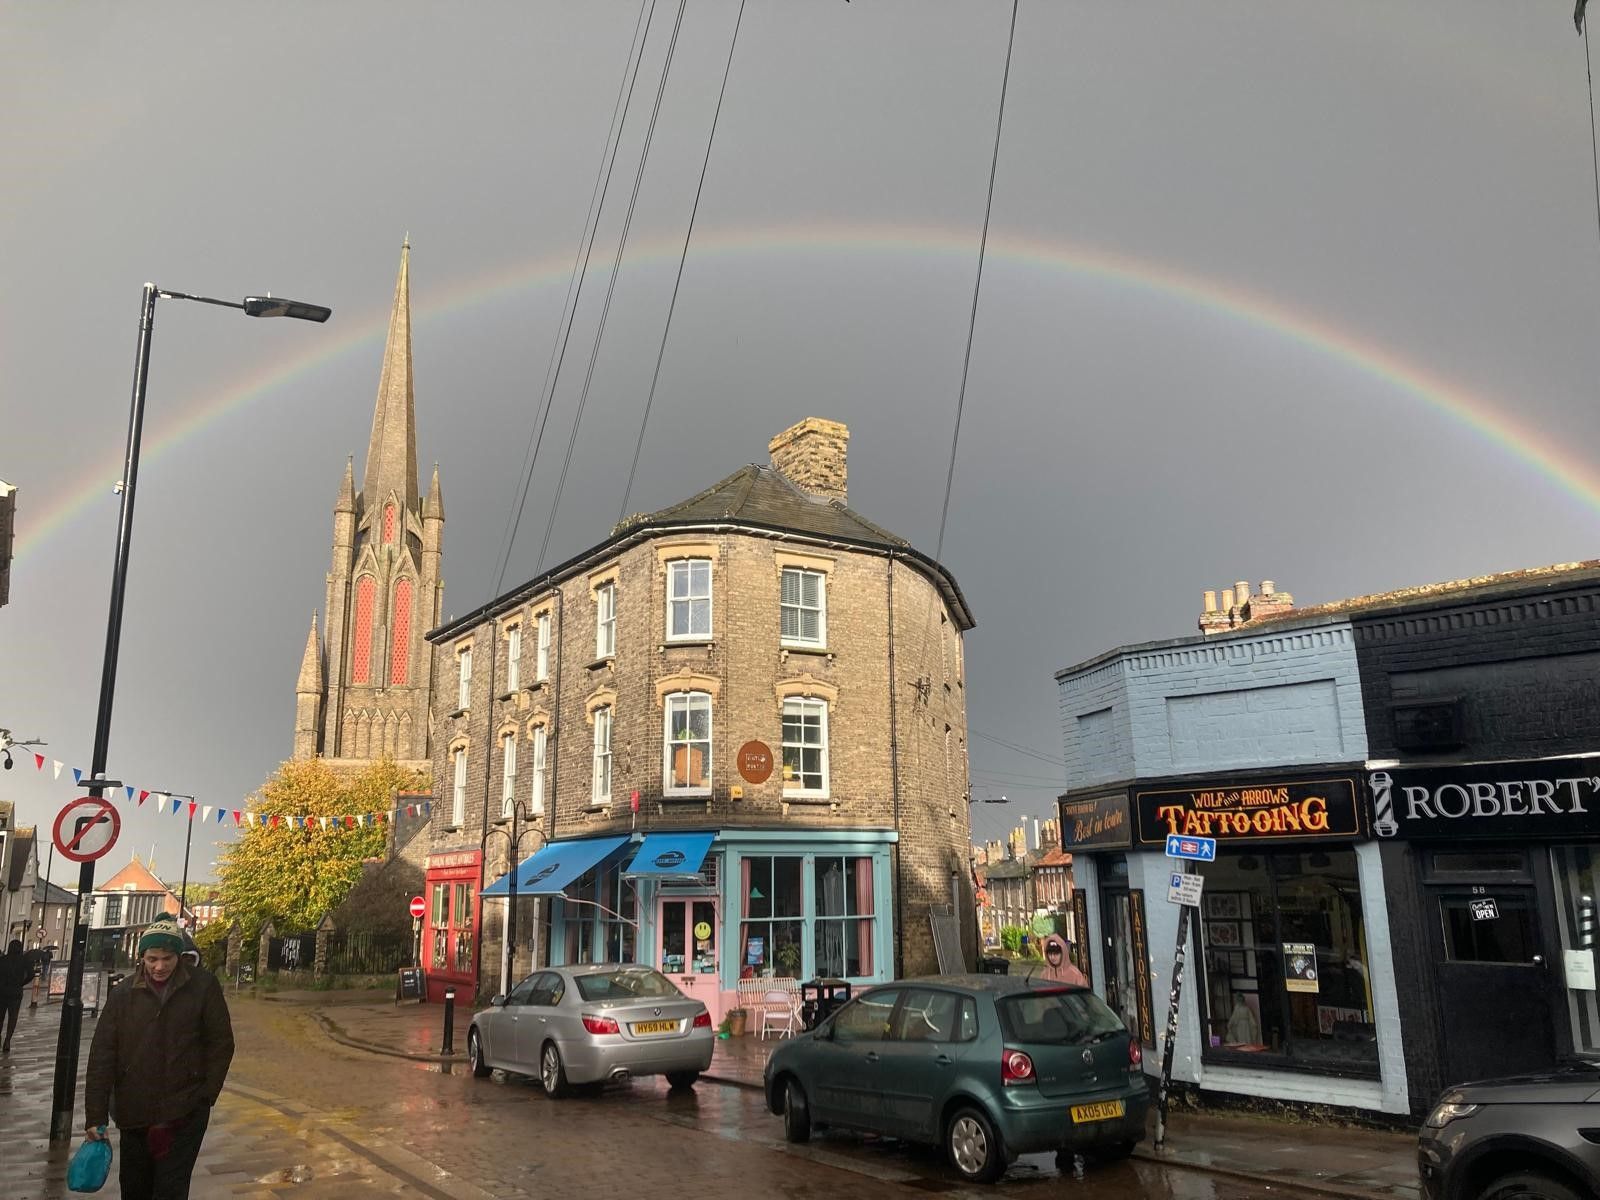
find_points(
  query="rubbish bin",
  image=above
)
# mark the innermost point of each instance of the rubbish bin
(993, 965)
(820, 998)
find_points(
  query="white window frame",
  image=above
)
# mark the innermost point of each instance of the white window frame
(540, 741)
(605, 620)
(514, 657)
(600, 792)
(684, 568)
(541, 667)
(679, 708)
(458, 801)
(464, 677)
(508, 773)
(821, 608)
(797, 787)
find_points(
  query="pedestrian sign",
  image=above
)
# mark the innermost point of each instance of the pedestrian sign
(1203, 849)
(1185, 888)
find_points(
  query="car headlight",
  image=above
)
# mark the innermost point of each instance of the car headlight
(1450, 1107)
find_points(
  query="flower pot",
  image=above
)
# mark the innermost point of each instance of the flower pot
(736, 1020)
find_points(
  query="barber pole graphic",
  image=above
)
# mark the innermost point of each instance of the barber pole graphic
(1383, 822)
(1585, 930)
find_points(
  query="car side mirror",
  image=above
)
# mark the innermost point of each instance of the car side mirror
(498, 1001)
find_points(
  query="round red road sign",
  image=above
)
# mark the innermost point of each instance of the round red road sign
(86, 829)
(418, 907)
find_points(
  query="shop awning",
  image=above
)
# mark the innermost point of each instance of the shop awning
(671, 855)
(550, 870)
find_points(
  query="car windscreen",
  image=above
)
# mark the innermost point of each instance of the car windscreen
(625, 985)
(1056, 1018)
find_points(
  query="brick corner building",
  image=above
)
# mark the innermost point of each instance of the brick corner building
(739, 724)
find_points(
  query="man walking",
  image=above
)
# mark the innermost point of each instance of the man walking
(161, 1050)
(16, 968)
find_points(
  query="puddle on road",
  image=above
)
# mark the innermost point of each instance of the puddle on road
(299, 1173)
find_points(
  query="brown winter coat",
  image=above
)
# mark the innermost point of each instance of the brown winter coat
(156, 1059)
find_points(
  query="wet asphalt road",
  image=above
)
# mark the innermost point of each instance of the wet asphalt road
(505, 1137)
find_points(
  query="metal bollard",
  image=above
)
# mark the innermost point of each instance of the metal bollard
(449, 1046)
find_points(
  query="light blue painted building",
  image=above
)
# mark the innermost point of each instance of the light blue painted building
(1256, 736)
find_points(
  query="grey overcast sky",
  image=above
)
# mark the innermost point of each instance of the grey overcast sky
(1299, 291)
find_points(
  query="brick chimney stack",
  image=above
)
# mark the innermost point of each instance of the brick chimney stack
(1240, 605)
(811, 455)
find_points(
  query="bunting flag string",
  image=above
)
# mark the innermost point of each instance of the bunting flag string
(242, 818)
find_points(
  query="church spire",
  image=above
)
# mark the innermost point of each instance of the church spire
(311, 664)
(392, 452)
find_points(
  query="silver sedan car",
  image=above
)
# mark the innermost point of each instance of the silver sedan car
(593, 1023)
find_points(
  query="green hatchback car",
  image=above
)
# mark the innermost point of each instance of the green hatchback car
(986, 1066)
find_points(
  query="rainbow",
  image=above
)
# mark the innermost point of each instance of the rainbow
(1559, 464)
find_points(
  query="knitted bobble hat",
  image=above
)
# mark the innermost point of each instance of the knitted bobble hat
(162, 934)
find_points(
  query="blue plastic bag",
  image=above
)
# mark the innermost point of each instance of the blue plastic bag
(90, 1165)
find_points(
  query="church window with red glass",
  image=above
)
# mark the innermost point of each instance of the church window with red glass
(361, 661)
(400, 622)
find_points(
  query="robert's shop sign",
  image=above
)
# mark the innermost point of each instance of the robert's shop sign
(1552, 797)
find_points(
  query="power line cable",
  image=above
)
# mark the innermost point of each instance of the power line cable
(672, 307)
(977, 284)
(569, 308)
(1054, 760)
(1594, 153)
(611, 286)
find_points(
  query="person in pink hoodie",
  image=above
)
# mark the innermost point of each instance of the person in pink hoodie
(1058, 967)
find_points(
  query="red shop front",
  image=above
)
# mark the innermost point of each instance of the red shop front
(450, 938)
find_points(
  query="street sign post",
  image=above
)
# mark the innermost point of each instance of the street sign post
(1200, 849)
(1185, 888)
(85, 829)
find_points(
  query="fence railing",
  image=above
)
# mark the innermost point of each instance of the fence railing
(356, 953)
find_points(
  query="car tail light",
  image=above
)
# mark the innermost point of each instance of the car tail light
(1016, 1067)
(1135, 1055)
(702, 1020)
(600, 1024)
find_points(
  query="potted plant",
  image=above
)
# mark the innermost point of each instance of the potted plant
(787, 958)
(736, 1021)
(688, 761)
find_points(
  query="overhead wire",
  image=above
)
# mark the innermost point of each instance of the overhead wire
(1053, 760)
(672, 306)
(569, 307)
(977, 285)
(616, 265)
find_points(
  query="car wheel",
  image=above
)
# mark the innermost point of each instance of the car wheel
(1114, 1151)
(552, 1072)
(796, 1113)
(973, 1146)
(1528, 1185)
(480, 1069)
(681, 1079)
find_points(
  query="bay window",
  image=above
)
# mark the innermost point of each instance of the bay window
(803, 608)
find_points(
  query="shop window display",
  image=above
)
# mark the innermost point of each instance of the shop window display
(1284, 961)
(772, 934)
(1577, 876)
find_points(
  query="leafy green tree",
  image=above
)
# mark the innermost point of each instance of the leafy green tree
(296, 875)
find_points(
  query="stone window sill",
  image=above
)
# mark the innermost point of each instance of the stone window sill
(609, 660)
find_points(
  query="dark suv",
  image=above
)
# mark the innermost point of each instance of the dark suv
(1532, 1137)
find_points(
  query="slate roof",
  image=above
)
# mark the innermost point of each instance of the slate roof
(52, 894)
(21, 855)
(757, 497)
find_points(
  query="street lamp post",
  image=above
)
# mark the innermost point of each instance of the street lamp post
(514, 837)
(67, 1043)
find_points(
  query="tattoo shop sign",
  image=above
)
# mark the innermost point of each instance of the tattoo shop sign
(1238, 812)
(1551, 797)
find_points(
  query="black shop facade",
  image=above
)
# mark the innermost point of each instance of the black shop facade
(1289, 987)
(1492, 874)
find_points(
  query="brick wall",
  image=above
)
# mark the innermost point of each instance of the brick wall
(744, 667)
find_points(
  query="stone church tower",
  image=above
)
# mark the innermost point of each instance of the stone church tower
(363, 692)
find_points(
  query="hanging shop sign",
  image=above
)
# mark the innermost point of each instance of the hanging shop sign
(1552, 797)
(1256, 811)
(1098, 822)
(1140, 945)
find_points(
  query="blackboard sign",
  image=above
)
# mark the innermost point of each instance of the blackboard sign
(947, 943)
(247, 973)
(408, 984)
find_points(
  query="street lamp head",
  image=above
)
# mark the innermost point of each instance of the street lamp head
(277, 306)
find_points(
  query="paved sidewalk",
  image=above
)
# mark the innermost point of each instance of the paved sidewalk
(1329, 1159)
